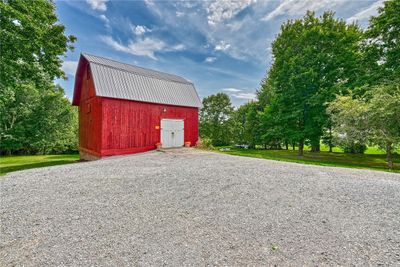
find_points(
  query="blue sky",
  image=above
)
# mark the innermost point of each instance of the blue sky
(219, 45)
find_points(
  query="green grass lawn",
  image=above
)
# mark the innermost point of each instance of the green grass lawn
(375, 159)
(370, 150)
(17, 163)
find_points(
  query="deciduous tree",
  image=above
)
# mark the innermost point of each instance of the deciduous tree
(314, 59)
(32, 108)
(372, 118)
(382, 45)
(216, 119)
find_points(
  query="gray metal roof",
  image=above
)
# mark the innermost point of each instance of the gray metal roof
(119, 80)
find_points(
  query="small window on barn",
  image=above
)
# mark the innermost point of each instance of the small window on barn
(88, 73)
(88, 107)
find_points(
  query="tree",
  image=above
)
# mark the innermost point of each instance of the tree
(384, 117)
(373, 118)
(382, 45)
(314, 59)
(31, 43)
(58, 132)
(247, 124)
(253, 126)
(350, 128)
(239, 120)
(216, 119)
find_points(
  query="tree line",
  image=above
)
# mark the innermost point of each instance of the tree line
(330, 82)
(35, 115)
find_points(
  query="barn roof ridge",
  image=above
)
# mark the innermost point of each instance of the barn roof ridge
(146, 71)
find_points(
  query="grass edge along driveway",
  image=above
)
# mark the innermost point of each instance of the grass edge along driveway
(333, 159)
(373, 160)
(18, 163)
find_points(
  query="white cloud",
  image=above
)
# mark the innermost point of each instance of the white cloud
(210, 59)
(222, 46)
(247, 96)
(370, 11)
(99, 5)
(239, 94)
(149, 2)
(142, 47)
(104, 18)
(222, 10)
(151, 5)
(299, 7)
(179, 14)
(69, 67)
(178, 47)
(231, 90)
(139, 29)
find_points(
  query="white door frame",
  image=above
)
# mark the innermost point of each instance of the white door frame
(172, 132)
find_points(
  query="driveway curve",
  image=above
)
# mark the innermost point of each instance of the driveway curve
(190, 207)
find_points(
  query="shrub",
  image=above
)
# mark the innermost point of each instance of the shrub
(354, 148)
(204, 143)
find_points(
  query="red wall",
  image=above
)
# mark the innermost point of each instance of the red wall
(90, 116)
(110, 126)
(131, 126)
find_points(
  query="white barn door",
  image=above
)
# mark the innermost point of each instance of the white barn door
(172, 132)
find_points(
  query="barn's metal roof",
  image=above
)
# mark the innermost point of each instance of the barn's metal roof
(119, 80)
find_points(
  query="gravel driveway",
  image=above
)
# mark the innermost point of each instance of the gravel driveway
(189, 207)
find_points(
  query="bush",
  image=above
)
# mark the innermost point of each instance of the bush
(204, 143)
(354, 148)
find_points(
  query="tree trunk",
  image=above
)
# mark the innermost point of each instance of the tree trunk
(389, 155)
(293, 146)
(287, 145)
(315, 148)
(315, 145)
(301, 148)
(330, 139)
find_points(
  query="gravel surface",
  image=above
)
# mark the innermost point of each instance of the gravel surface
(189, 207)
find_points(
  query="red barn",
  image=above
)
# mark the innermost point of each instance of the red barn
(125, 109)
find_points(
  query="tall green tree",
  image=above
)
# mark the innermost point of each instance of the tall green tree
(247, 124)
(32, 42)
(314, 59)
(382, 45)
(216, 121)
(239, 121)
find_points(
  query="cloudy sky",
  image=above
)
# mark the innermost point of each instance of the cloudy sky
(219, 45)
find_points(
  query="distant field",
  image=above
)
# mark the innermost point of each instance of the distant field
(373, 159)
(17, 163)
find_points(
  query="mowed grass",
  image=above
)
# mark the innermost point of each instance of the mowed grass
(370, 150)
(375, 159)
(18, 163)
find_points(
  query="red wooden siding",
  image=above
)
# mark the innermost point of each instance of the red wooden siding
(90, 112)
(131, 126)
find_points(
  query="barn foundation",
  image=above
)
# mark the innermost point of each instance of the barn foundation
(84, 155)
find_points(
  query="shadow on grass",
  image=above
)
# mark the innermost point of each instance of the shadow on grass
(5, 170)
(336, 159)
